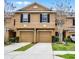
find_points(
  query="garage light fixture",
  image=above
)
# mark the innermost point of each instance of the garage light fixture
(44, 25)
(24, 25)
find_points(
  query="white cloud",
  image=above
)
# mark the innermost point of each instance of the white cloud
(19, 2)
(25, 2)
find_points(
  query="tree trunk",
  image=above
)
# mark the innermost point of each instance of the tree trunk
(60, 37)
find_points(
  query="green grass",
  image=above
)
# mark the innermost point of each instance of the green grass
(69, 47)
(24, 47)
(68, 56)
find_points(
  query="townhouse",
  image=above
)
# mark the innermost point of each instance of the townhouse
(36, 23)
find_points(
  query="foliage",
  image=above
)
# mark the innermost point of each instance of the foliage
(68, 56)
(12, 39)
(24, 47)
(17, 39)
(68, 39)
(7, 42)
(55, 39)
(59, 46)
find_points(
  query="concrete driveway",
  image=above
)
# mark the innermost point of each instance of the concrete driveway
(13, 46)
(38, 51)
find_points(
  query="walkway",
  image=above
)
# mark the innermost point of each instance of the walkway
(63, 52)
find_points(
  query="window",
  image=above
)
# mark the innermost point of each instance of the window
(44, 17)
(25, 17)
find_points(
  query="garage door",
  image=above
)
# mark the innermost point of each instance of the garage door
(26, 36)
(44, 36)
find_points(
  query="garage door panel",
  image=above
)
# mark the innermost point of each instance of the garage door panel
(26, 36)
(44, 36)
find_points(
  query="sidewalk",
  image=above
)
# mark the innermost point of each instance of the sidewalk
(63, 52)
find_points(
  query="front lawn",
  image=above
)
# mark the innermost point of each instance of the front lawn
(61, 47)
(24, 47)
(68, 56)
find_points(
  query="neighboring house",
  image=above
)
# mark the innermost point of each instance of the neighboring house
(36, 23)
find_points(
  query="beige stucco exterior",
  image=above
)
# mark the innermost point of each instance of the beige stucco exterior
(36, 31)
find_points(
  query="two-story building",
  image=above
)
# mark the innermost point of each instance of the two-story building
(36, 23)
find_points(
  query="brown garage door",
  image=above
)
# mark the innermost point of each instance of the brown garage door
(26, 36)
(44, 36)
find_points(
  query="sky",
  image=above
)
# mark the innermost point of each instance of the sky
(48, 3)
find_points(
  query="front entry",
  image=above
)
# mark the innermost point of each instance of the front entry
(64, 35)
(44, 36)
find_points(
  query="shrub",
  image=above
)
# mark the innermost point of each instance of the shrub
(7, 42)
(55, 38)
(12, 39)
(17, 39)
(68, 39)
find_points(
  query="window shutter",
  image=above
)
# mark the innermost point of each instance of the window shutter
(73, 21)
(14, 22)
(56, 22)
(40, 17)
(28, 17)
(21, 18)
(48, 18)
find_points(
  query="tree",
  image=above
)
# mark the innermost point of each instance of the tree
(8, 8)
(63, 7)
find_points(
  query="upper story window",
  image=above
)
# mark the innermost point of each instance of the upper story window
(44, 17)
(25, 17)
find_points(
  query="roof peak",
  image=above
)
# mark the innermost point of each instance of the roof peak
(34, 3)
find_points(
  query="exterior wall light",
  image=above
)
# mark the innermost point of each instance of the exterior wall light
(24, 25)
(44, 25)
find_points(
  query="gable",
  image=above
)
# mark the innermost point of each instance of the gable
(34, 7)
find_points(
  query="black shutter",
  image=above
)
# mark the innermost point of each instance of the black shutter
(56, 22)
(73, 21)
(14, 22)
(40, 17)
(21, 18)
(28, 17)
(48, 18)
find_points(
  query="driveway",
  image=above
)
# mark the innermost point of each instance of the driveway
(13, 46)
(38, 51)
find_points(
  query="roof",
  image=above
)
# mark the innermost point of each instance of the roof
(69, 14)
(31, 5)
